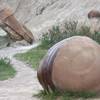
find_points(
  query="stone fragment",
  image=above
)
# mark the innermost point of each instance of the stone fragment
(94, 14)
(13, 27)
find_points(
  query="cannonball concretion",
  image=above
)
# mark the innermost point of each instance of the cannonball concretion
(73, 64)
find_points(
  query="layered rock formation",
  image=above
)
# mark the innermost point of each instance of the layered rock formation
(15, 30)
(71, 65)
(39, 15)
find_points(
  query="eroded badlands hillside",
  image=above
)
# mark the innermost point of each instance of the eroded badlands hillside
(39, 15)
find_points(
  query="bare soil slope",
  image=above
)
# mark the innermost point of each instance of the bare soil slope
(39, 15)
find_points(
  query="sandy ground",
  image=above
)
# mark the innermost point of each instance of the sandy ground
(25, 84)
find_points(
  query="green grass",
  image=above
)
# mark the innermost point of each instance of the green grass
(33, 56)
(6, 69)
(65, 95)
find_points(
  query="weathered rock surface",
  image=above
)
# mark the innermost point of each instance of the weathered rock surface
(94, 14)
(39, 15)
(72, 65)
(16, 31)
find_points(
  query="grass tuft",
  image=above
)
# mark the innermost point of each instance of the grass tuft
(33, 56)
(65, 95)
(6, 69)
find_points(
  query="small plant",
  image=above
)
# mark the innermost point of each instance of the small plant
(53, 36)
(96, 37)
(56, 34)
(6, 69)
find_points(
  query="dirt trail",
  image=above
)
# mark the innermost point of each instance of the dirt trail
(25, 83)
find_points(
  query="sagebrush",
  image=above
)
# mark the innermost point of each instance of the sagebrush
(57, 34)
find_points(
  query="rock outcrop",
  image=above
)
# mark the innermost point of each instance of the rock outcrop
(71, 65)
(15, 29)
(40, 15)
(94, 14)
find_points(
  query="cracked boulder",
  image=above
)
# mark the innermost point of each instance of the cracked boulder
(15, 30)
(71, 65)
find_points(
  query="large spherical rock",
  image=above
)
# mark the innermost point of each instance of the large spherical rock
(72, 65)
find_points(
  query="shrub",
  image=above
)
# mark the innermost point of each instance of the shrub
(57, 34)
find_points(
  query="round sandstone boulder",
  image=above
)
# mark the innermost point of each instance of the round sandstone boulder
(71, 65)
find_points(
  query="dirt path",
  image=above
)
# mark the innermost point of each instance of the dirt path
(24, 84)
